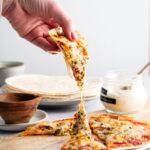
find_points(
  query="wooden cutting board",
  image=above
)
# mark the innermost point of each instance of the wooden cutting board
(32, 143)
(51, 142)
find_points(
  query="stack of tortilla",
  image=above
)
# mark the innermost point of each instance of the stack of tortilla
(53, 88)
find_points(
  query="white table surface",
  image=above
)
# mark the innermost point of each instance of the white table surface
(55, 113)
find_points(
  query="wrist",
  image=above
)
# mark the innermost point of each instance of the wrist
(6, 6)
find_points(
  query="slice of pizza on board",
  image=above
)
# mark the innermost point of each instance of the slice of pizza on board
(57, 128)
(81, 137)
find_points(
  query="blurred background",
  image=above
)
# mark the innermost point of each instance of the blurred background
(117, 32)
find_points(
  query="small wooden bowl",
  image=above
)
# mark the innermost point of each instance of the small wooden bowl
(18, 107)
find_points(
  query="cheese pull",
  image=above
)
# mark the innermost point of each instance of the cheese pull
(69, 69)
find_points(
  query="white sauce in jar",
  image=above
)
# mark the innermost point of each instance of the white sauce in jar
(122, 95)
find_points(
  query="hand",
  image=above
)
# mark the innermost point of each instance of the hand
(32, 19)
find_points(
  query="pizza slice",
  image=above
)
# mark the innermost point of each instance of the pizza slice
(83, 143)
(75, 53)
(58, 128)
(120, 131)
(81, 137)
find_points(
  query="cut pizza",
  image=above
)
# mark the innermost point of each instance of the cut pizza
(108, 131)
(75, 53)
(102, 131)
(120, 131)
(81, 137)
(58, 128)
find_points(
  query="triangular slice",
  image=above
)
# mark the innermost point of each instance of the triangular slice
(58, 128)
(75, 53)
(81, 126)
(81, 137)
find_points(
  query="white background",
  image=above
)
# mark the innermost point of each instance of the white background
(116, 30)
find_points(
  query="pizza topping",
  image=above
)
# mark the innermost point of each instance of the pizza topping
(59, 128)
(75, 53)
(45, 127)
(121, 130)
(114, 132)
(81, 136)
(84, 148)
(135, 142)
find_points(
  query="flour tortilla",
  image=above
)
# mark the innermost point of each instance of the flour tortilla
(69, 99)
(56, 99)
(50, 85)
(6, 89)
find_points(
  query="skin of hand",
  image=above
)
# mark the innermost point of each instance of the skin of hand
(32, 19)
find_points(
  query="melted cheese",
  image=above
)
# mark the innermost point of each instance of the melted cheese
(82, 142)
(60, 127)
(112, 131)
(75, 53)
(81, 133)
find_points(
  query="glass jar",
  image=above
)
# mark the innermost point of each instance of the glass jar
(123, 95)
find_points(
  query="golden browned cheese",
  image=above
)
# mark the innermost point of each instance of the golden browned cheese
(75, 53)
(108, 131)
(59, 128)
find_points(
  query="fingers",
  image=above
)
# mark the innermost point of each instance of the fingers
(45, 45)
(68, 29)
(53, 23)
(51, 9)
(39, 36)
(67, 26)
(48, 38)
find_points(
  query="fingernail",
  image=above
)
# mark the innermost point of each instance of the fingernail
(73, 36)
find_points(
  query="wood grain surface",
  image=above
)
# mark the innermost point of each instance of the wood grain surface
(32, 143)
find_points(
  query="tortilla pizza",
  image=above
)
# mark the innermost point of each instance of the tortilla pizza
(110, 131)
(75, 53)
